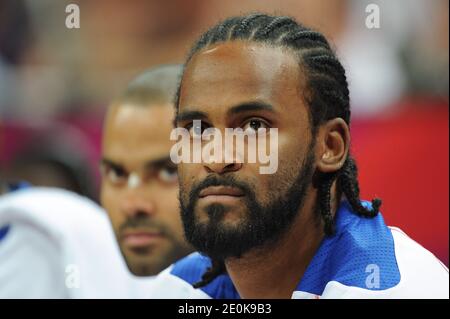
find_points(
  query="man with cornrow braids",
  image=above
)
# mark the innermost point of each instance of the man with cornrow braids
(302, 232)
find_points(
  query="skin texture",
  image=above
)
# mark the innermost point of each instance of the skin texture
(223, 76)
(135, 135)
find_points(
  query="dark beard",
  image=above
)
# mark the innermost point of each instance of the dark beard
(261, 226)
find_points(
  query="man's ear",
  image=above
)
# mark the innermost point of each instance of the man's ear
(333, 143)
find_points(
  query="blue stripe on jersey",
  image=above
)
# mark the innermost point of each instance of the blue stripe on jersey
(4, 231)
(361, 249)
(11, 188)
(18, 186)
(191, 269)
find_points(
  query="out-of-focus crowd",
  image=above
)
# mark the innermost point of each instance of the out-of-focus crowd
(55, 84)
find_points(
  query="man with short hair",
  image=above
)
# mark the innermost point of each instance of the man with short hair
(139, 181)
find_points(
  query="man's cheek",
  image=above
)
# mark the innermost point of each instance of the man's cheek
(116, 221)
(182, 194)
(185, 181)
(111, 205)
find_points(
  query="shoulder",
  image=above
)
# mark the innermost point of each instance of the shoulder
(423, 275)
(74, 230)
(57, 211)
(408, 271)
(367, 259)
(177, 281)
(44, 278)
(48, 199)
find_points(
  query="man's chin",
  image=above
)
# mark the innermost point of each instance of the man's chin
(226, 202)
(221, 240)
(222, 216)
(143, 268)
(142, 271)
(229, 222)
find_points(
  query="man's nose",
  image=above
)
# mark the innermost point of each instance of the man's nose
(221, 168)
(133, 205)
(226, 162)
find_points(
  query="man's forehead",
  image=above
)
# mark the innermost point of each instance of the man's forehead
(137, 133)
(129, 120)
(238, 70)
(136, 157)
(120, 111)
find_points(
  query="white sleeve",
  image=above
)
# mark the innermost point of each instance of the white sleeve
(168, 286)
(61, 245)
(30, 264)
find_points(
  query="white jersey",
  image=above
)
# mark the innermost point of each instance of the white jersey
(363, 259)
(56, 244)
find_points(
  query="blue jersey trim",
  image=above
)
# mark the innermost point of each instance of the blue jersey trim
(191, 269)
(4, 231)
(360, 254)
(18, 186)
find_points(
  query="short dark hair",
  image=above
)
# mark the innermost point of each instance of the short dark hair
(156, 85)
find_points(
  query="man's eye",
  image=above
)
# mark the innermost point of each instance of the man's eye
(168, 174)
(254, 124)
(116, 175)
(196, 130)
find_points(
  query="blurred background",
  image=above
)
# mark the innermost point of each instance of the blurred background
(55, 85)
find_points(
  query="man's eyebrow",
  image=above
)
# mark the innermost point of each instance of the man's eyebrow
(190, 115)
(158, 162)
(240, 108)
(250, 106)
(110, 163)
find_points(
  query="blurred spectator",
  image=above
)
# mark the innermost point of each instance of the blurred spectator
(425, 51)
(14, 30)
(14, 40)
(84, 67)
(57, 244)
(55, 155)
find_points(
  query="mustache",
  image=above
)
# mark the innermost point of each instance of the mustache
(142, 222)
(223, 180)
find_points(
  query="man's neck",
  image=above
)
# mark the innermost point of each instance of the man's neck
(274, 272)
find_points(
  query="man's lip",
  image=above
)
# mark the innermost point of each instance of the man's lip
(221, 191)
(140, 238)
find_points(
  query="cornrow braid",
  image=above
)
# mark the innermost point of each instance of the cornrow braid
(244, 29)
(304, 39)
(217, 268)
(327, 97)
(324, 205)
(280, 24)
(348, 184)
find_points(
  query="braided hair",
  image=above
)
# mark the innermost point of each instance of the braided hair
(327, 97)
